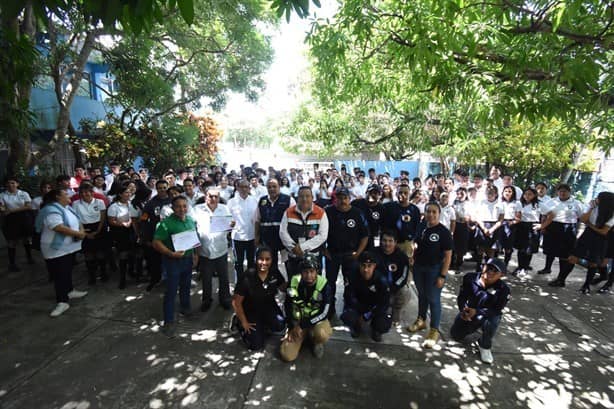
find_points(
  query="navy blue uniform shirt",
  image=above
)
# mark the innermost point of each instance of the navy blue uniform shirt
(487, 301)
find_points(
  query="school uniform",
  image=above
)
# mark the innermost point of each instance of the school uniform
(560, 235)
(89, 216)
(17, 225)
(592, 246)
(447, 215)
(461, 232)
(488, 213)
(508, 228)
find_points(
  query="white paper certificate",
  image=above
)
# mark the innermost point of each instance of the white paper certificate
(220, 224)
(185, 240)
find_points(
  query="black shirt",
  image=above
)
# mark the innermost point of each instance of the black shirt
(432, 242)
(404, 220)
(488, 301)
(345, 229)
(374, 215)
(152, 210)
(259, 295)
(372, 296)
(395, 267)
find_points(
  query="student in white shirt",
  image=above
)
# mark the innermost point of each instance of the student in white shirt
(527, 236)
(488, 216)
(15, 204)
(511, 216)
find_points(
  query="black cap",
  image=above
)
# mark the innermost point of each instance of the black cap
(342, 191)
(309, 261)
(367, 257)
(497, 264)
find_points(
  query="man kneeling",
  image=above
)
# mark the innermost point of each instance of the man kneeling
(307, 304)
(367, 299)
(481, 300)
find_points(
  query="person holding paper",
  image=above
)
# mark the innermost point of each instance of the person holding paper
(213, 251)
(178, 262)
(243, 209)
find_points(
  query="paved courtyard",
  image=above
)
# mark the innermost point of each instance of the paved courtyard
(554, 350)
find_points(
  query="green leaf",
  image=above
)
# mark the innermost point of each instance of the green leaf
(186, 7)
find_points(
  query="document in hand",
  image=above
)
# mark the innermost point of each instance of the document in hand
(185, 240)
(220, 224)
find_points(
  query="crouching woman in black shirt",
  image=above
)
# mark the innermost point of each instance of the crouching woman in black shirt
(254, 301)
(431, 262)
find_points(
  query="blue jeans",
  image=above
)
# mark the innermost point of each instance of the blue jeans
(178, 275)
(429, 296)
(461, 329)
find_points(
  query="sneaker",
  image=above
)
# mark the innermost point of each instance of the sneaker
(318, 350)
(606, 289)
(376, 336)
(76, 294)
(585, 289)
(431, 339)
(544, 271)
(486, 355)
(418, 325)
(169, 330)
(556, 283)
(59, 309)
(599, 278)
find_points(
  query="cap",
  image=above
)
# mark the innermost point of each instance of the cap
(373, 188)
(497, 264)
(367, 257)
(342, 191)
(309, 261)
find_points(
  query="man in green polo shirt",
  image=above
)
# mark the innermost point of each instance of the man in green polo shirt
(178, 263)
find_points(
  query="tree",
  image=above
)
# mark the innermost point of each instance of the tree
(475, 65)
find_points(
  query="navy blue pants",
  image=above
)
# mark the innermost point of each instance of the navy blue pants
(461, 329)
(379, 322)
(266, 322)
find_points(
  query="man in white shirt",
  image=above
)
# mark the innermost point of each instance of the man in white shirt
(257, 190)
(243, 210)
(213, 252)
(360, 189)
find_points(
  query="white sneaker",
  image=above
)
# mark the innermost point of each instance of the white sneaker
(486, 355)
(59, 309)
(76, 294)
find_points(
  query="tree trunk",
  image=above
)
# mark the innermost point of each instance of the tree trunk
(575, 159)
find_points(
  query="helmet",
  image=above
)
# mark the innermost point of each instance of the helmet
(310, 261)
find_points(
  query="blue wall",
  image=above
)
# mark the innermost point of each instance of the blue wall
(392, 167)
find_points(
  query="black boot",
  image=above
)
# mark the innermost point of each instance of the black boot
(123, 266)
(12, 266)
(548, 267)
(102, 264)
(565, 269)
(28, 248)
(590, 274)
(91, 271)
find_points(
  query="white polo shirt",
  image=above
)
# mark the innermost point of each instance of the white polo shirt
(568, 211)
(213, 245)
(122, 212)
(89, 212)
(15, 200)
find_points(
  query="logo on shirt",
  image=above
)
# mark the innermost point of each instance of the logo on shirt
(372, 288)
(406, 218)
(351, 223)
(434, 237)
(262, 202)
(375, 215)
(96, 208)
(392, 267)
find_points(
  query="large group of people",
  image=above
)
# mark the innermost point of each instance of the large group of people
(380, 231)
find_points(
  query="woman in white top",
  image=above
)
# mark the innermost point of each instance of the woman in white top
(284, 186)
(61, 235)
(527, 235)
(592, 245)
(92, 214)
(323, 198)
(511, 217)
(123, 218)
(15, 205)
(488, 216)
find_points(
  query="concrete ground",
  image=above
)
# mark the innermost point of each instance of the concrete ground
(554, 350)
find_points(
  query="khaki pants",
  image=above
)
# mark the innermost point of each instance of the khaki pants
(319, 334)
